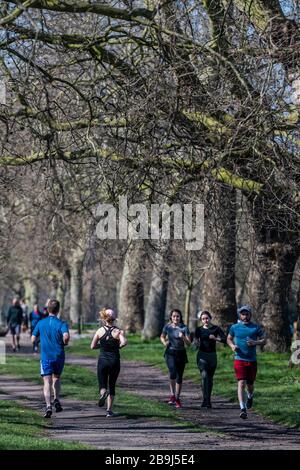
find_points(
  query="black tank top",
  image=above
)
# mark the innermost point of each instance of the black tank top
(109, 344)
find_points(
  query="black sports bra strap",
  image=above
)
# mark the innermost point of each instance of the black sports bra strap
(108, 331)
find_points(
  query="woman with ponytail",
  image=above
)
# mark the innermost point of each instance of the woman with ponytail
(110, 340)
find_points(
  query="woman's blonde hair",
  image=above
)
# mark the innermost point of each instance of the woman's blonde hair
(107, 314)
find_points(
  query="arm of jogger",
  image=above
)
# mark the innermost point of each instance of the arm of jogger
(231, 343)
(66, 338)
(8, 317)
(95, 342)
(35, 333)
(259, 342)
(163, 339)
(186, 338)
(123, 340)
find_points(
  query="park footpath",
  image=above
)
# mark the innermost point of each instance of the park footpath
(85, 422)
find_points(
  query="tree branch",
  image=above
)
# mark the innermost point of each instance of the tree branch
(81, 6)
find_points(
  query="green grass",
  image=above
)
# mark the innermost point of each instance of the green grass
(277, 388)
(23, 429)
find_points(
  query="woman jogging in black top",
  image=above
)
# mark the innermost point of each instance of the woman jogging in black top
(206, 337)
(175, 336)
(109, 339)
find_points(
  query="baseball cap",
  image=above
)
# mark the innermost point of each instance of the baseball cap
(246, 308)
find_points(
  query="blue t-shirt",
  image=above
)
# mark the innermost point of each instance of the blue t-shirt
(240, 332)
(51, 330)
(173, 335)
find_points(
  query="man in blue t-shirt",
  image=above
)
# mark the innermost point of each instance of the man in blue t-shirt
(243, 338)
(54, 336)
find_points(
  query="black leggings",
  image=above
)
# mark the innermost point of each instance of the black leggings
(207, 363)
(108, 371)
(176, 364)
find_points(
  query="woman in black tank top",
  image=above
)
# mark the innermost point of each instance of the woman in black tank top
(109, 339)
(206, 338)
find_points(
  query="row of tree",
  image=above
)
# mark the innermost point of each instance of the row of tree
(165, 102)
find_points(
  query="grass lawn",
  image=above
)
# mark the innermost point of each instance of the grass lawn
(23, 429)
(277, 388)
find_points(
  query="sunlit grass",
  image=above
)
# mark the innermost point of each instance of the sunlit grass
(23, 429)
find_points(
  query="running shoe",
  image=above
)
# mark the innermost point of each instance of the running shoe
(178, 403)
(48, 412)
(110, 414)
(206, 404)
(57, 405)
(14, 349)
(249, 403)
(172, 400)
(243, 414)
(102, 398)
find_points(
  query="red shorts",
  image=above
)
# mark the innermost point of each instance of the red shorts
(245, 370)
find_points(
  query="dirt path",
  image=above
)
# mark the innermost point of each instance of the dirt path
(254, 433)
(83, 421)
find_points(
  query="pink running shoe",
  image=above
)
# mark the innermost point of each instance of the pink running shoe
(178, 403)
(172, 400)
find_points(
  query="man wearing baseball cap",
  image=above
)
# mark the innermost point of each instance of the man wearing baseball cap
(243, 338)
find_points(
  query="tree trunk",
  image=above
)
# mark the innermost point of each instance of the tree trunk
(31, 293)
(76, 267)
(157, 300)
(90, 289)
(218, 292)
(131, 299)
(53, 278)
(60, 295)
(67, 294)
(269, 284)
(188, 294)
(58, 290)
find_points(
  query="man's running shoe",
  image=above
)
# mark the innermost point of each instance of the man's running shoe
(249, 403)
(110, 414)
(243, 414)
(172, 400)
(48, 412)
(57, 405)
(102, 398)
(178, 403)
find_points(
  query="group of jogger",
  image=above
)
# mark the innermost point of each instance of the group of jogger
(242, 338)
(53, 333)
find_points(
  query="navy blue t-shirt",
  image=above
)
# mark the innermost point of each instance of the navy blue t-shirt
(51, 330)
(34, 318)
